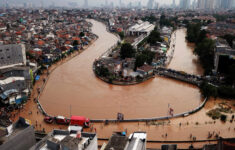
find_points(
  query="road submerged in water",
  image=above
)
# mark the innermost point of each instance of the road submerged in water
(198, 124)
(73, 87)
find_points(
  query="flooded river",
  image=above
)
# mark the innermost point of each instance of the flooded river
(183, 58)
(73, 87)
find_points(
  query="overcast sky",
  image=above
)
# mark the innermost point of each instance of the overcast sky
(98, 2)
(81, 2)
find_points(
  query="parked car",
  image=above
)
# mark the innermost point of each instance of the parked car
(80, 121)
(62, 120)
(49, 119)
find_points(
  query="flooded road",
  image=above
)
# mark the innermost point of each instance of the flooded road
(73, 87)
(183, 58)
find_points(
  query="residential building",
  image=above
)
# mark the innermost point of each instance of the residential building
(67, 140)
(11, 55)
(20, 136)
(119, 141)
(222, 49)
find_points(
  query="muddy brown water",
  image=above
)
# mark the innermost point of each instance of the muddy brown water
(73, 88)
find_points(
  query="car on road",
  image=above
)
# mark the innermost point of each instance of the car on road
(62, 120)
(49, 119)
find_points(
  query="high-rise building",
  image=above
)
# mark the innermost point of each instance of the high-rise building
(150, 4)
(184, 4)
(194, 4)
(139, 4)
(85, 3)
(209, 4)
(218, 4)
(173, 4)
(226, 4)
(201, 4)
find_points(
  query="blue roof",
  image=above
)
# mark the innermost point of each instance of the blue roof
(37, 77)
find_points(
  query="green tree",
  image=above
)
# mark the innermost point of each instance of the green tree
(121, 34)
(149, 56)
(140, 60)
(102, 71)
(201, 36)
(193, 32)
(127, 51)
(145, 57)
(75, 43)
(164, 21)
(226, 92)
(205, 51)
(208, 90)
(154, 37)
(82, 34)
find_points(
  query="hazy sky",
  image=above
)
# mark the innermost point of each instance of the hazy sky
(90, 2)
(143, 2)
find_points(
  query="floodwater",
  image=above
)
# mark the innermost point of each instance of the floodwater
(73, 88)
(183, 58)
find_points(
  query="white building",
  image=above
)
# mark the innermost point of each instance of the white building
(140, 28)
(136, 141)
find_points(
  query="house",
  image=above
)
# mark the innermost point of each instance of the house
(20, 136)
(145, 70)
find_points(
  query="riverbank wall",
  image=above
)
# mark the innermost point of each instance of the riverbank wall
(184, 114)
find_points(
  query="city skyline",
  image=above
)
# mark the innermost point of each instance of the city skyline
(151, 4)
(90, 3)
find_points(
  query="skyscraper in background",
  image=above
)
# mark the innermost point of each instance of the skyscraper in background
(201, 4)
(218, 3)
(184, 4)
(173, 4)
(139, 5)
(85, 3)
(150, 4)
(209, 4)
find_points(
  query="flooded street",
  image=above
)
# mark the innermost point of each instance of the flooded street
(73, 85)
(183, 58)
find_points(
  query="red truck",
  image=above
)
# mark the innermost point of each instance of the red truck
(79, 121)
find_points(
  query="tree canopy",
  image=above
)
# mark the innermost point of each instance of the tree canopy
(121, 34)
(154, 37)
(208, 90)
(193, 32)
(82, 34)
(205, 51)
(127, 51)
(145, 57)
(75, 43)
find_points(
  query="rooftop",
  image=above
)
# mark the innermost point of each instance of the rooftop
(136, 141)
(68, 139)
